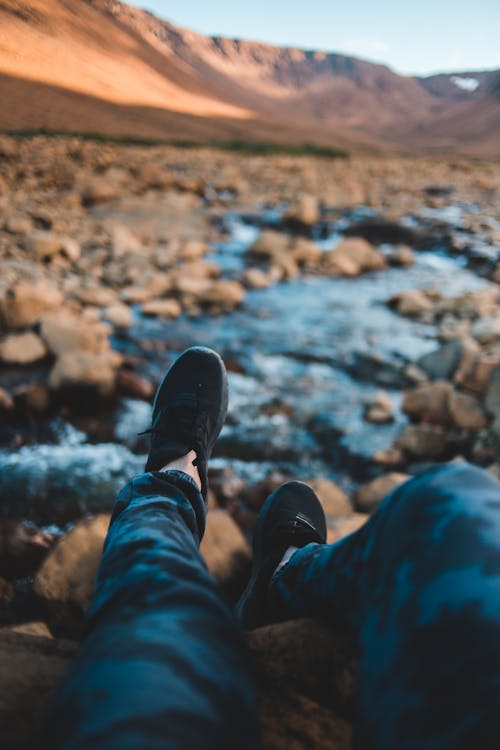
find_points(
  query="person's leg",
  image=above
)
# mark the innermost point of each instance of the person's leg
(162, 664)
(420, 585)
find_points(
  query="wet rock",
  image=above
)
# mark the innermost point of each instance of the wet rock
(475, 370)
(31, 667)
(32, 399)
(305, 253)
(370, 495)
(65, 581)
(352, 257)
(48, 246)
(222, 296)
(254, 278)
(22, 348)
(270, 245)
(442, 363)
(429, 403)
(23, 547)
(341, 526)
(487, 330)
(304, 212)
(226, 553)
(120, 316)
(87, 370)
(412, 303)
(400, 255)
(379, 409)
(380, 230)
(162, 308)
(132, 384)
(23, 304)
(466, 412)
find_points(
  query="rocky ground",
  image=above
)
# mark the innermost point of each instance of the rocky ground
(356, 303)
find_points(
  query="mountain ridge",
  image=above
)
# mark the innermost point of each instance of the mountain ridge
(124, 57)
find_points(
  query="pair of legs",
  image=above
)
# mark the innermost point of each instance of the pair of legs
(163, 664)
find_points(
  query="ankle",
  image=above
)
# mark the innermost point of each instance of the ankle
(185, 464)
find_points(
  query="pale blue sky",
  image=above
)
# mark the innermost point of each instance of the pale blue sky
(421, 37)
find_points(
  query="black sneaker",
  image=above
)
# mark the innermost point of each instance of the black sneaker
(291, 517)
(189, 410)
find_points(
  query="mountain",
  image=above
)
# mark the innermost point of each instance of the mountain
(103, 66)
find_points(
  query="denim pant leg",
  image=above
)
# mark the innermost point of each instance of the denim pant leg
(420, 586)
(162, 664)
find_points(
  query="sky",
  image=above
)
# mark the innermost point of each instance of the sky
(421, 37)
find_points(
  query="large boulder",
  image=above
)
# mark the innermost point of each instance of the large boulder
(23, 304)
(65, 581)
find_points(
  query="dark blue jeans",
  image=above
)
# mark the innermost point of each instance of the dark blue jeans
(163, 665)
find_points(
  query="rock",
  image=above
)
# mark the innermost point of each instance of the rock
(381, 230)
(475, 370)
(412, 303)
(429, 403)
(226, 553)
(254, 495)
(341, 526)
(31, 667)
(270, 245)
(492, 400)
(379, 409)
(98, 190)
(124, 241)
(423, 441)
(162, 308)
(64, 332)
(333, 499)
(23, 547)
(351, 257)
(18, 224)
(99, 296)
(120, 316)
(466, 412)
(32, 398)
(304, 212)
(65, 581)
(47, 246)
(442, 363)
(22, 348)
(193, 250)
(85, 369)
(487, 330)
(30, 628)
(370, 495)
(400, 255)
(6, 401)
(389, 458)
(131, 384)
(305, 253)
(254, 278)
(23, 304)
(305, 673)
(222, 296)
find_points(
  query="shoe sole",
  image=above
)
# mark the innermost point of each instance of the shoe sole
(206, 351)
